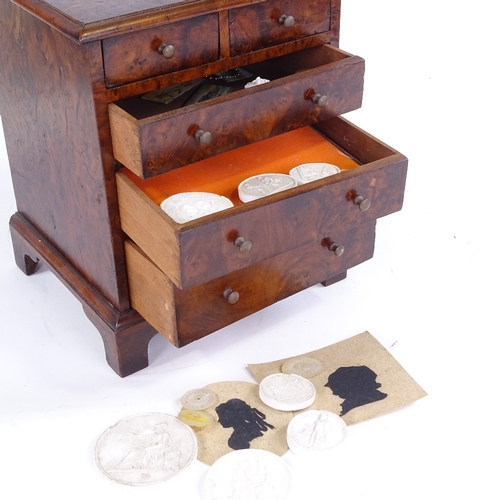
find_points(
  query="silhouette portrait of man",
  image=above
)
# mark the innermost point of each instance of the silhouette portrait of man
(357, 385)
(248, 423)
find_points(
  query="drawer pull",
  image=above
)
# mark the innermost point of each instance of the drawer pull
(320, 100)
(204, 138)
(244, 245)
(286, 21)
(363, 203)
(231, 296)
(337, 249)
(166, 50)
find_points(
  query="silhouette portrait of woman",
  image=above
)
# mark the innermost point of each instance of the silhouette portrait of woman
(357, 385)
(248, 423)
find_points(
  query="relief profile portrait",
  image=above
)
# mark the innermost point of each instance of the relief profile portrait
(248, 423)
(357, 385)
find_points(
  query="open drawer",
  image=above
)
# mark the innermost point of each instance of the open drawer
(305, 87)
(370, 185)
(186, 315)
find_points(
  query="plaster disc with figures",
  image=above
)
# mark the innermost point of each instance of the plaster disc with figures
(147, 448)
(315, 431)
(259, 186)
(249, 474)
(304, 366)
(287, 392)
(184, 207)
(309, 172)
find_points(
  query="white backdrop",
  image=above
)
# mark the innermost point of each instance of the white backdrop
(430, 296)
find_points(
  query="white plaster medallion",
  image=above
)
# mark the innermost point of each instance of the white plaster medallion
(309, 172)
(315, 431)
(287, 392)
(249, 474)
(258, 186)
(183, 207)
(147, 448)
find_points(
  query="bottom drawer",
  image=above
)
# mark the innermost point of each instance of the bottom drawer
(183, 316)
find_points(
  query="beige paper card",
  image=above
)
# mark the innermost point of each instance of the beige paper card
(241, 421)
(358, 379)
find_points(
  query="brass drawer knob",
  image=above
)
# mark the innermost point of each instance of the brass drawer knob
(204, 138)
(231, 296)
(244, 245)
(286, 21)
(337, 249)
(363, 203)
(320, 100)
(166, 50)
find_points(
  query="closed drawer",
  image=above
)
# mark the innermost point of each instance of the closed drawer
(156, 143)
(135, 56)
(204, 249)
(277, 21)
(186, 315)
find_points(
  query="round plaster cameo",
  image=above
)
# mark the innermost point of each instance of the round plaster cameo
(263, 185)
(287, 392)
(309, 172)
(184, 207)
(315, 431)
(147, 448)
(248, 475)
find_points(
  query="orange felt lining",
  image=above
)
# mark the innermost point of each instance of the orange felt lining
(223, 173)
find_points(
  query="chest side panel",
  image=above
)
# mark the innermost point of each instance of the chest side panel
(53, 138)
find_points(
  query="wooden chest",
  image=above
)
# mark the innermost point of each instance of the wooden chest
(91, 159)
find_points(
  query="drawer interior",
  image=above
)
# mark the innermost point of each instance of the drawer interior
(222, 174)
(139, 107)
(205, 248)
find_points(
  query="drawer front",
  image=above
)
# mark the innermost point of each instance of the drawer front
(136, 56)
(183, 316)
(271, 23)
(205, 249)
(315, 216)
(155, 145)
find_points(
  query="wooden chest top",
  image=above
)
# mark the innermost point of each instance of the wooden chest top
(88, 20)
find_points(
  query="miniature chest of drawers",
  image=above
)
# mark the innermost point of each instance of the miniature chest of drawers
(91, 159)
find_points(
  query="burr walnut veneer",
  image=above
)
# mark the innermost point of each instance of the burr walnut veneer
(91, 160)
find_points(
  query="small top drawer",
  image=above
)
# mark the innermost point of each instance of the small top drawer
(277, 21)
(170, 47)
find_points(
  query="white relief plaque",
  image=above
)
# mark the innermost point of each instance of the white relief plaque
(287, 392)
(248, 475)
(315, 431)
(262, 185)
(309, 172)
(183, 207)
(145, 449)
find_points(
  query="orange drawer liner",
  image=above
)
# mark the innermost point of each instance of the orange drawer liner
(223, 173)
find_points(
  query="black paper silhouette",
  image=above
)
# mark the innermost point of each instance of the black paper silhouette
(248, 423)
(357, 385)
